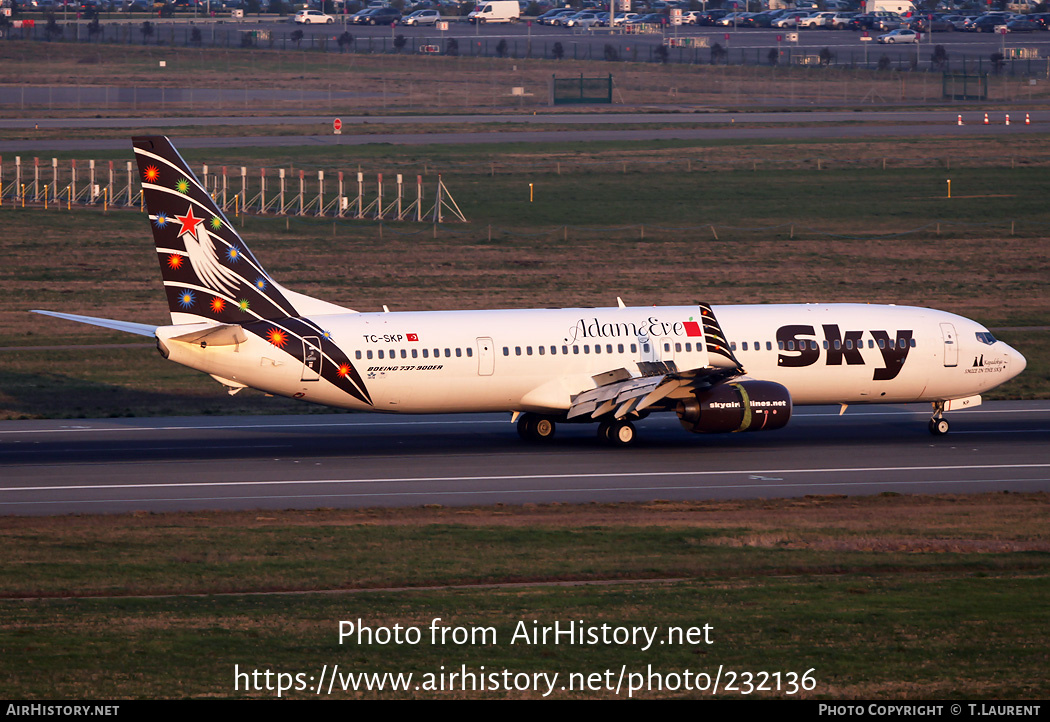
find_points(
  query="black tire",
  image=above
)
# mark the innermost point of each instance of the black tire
(939, 427)
(603, 432)
(536, 428)
(523, 426)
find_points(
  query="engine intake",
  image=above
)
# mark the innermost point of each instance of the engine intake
(736, 406)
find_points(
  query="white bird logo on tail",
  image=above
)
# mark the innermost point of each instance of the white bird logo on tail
(201, 250)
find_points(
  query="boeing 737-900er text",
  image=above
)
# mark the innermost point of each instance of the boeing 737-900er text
(719, 368)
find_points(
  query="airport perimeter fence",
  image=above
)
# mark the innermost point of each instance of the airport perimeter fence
(282, 192)
(51, 184)
(657, 48)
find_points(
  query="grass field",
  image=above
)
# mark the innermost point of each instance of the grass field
(884, 597)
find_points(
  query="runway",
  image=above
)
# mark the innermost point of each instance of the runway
(342, 460)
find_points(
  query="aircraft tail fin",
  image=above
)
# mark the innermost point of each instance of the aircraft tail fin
(209, 272)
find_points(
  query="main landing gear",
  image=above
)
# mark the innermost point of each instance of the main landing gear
(938, 424)
(540, 428)
(617, 432)
(534, 427)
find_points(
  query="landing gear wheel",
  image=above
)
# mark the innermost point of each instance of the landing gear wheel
(603, 431)
(939, 427)
(541, 428)
(532, 427)
(617, 433)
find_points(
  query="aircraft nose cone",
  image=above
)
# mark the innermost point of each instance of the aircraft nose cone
(1018, 362)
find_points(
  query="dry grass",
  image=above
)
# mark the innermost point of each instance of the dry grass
(448, 84)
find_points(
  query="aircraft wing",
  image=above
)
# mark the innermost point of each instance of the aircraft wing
(620, 393)
(141, 329)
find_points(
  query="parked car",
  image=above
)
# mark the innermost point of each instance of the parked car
(378, 16)
(584, 19)
(988, 23)
(422, 17)
(1022, 25)
(841, 20)
(900, 35)
(939, 24)
(816, 20)
(711, 16)
(652, 19)
(789, 19)
(622, 18)
(549, 17)
(312, 17)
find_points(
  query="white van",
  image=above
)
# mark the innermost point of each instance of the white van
(901, 7)
(495, 11)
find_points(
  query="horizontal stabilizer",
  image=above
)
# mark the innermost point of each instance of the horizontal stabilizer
(141, 329)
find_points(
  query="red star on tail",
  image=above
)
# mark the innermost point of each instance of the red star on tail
(189, 223)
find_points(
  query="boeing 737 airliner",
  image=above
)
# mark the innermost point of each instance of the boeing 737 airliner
(719, 368)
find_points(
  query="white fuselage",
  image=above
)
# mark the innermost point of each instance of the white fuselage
(537, 360)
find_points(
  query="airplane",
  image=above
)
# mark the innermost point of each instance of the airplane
(718, 368)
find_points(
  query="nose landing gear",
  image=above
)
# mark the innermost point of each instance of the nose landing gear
(938, 424)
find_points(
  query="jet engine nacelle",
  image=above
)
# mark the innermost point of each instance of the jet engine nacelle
(736, 406)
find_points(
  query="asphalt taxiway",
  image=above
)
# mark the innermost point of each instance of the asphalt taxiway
(350, 460)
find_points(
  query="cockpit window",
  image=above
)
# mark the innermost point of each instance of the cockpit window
(985, 337)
